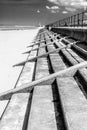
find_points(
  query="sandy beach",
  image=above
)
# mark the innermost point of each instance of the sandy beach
(12, 44)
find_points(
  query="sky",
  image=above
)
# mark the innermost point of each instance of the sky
(36, 12)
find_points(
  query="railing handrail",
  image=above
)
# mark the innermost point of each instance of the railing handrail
(78, 19)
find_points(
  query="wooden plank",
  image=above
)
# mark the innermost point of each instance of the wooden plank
(16, 113)
(72, 99)
(55, 58)
(29, 86)
(65, 53)
(34, 58)
(37, 43)
(80, 50)
(37, 48)
(74, 104)
(76, 56)
(59, 44)
(82, 72)
(42, 115)
(69, 58)
(4, 103)
(42, 69)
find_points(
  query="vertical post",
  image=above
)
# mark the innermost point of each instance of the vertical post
(63, 22)
(59, 23)
(78, 20)
(71, 21)
(74, 20)
(82, 18)
(68, 21)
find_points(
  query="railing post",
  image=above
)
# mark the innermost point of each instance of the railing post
(59, 23)
(82, 18)
(71, 21)
(67, 21)
(64, 22)
(74, 19)
(78, 19)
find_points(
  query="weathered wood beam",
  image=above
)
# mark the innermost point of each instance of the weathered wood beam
(33, 44)
(36, 43)
(53, 37)
(30, 51)
(28, 87)
(35, 58)
(38, 48)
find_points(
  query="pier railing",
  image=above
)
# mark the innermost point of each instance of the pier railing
(76, 20)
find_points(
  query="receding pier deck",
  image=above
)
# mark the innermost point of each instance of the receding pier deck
(51, 93)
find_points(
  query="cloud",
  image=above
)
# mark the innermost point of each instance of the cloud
(53, 9)
(38, 11)
(64, 12)
(70, 9)
(70, 3)
(79, 4)
(54, 1)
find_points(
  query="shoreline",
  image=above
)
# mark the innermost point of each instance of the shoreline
(8, 28)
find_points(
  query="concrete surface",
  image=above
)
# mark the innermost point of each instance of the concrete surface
(74, 104)
(14, 115)
(42, 115)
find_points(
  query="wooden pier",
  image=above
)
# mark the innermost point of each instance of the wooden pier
(51, 93)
